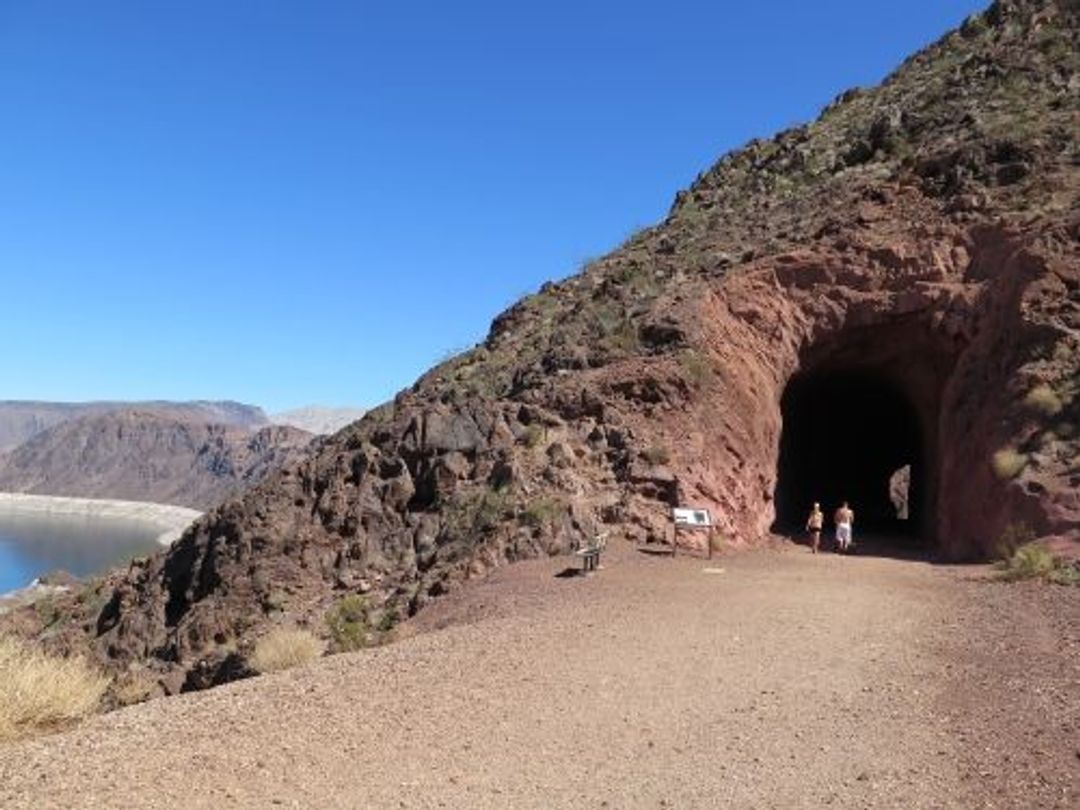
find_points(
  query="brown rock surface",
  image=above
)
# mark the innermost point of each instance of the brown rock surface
(885, 286)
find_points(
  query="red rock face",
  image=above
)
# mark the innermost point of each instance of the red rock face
(949, 333)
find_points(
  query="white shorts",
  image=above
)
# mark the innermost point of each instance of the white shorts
(843, 534)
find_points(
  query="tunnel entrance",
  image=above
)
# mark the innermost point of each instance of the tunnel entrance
(853, 434)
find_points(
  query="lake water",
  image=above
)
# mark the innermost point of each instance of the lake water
(35, 544)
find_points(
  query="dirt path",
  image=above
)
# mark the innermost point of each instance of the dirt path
(786, 680)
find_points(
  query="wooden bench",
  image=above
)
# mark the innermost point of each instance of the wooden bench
(590, 554)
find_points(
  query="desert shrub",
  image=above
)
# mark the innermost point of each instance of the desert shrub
(275, 601)
(623, 338)
(39, 691)
(1013, 537)
(487, 381)
(1065, 573)
(1007, 463)
(974, 25)
(389, 620)
(283, 648)
(134, 687)
(349, 623)
(637, 235)
(476, 511)
(93, 597)
(656, 455)
(1027, 562)
(541, 511)
(639, 280)
(616, 332)
(1044, 400)
(697, 367)
(532, 435)
(47, 611)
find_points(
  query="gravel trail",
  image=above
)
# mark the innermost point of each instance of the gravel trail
(768, 679)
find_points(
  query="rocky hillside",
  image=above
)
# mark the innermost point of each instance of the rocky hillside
(918, 239)
(21, 420)
(149, 455)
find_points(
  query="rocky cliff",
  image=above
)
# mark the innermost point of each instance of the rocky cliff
(159, 455)
(908, 262)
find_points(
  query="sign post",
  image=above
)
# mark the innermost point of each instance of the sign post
(691, 519)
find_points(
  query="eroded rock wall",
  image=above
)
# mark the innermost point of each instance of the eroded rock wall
(966, 325)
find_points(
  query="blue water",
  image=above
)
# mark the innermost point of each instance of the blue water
(32, 545)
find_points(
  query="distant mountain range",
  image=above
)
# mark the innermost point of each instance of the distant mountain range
(193, 454)
(316, 419)
(20, 420)
(161, 454)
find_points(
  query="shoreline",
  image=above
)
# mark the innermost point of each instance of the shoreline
(172, 520)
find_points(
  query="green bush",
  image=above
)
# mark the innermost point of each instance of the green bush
(1034, 561)
(1065, 573)
(389, 620)
(1028, 562)
(476, 511)
(541, 511)
(349, 624)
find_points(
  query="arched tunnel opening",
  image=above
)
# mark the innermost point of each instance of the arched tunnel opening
(859, 424)
(847, 436)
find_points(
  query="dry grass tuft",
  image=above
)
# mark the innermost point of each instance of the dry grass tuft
(134, 687)
(285, 648)
(39, 692)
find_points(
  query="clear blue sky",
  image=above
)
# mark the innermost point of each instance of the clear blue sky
(294, 202)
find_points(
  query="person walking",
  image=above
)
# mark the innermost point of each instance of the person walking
(814, 524)
(844, 519)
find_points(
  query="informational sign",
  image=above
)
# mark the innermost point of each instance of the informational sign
(691, 518)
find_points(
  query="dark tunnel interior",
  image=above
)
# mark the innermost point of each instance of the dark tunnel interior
(845, 436)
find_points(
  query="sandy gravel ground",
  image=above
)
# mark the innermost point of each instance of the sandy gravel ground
(776, 679)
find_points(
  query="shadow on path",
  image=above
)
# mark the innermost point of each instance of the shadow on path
(897, 546)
